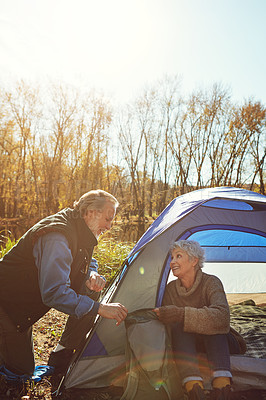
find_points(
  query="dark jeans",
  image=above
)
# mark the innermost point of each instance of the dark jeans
(16, 348)
(187, 346)
(75, 331)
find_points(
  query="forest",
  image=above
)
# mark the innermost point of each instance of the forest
(57, 142)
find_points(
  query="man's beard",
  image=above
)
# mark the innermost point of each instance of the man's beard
(94, 227)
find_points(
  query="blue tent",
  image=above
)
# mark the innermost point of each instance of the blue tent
(229, 223)
(217, 236)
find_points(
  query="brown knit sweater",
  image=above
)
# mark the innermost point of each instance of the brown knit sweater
(206, 308)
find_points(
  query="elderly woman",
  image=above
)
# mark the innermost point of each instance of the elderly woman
(195, 307)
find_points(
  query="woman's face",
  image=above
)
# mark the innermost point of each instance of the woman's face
(182, 265)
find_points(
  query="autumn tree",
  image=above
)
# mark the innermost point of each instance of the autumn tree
(22, 110)
(253, 117)
(57, 142)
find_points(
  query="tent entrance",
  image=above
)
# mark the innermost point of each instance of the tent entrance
(228, 249)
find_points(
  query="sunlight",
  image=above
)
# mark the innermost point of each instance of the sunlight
(122, 45)
(110, 45)
(115, 47)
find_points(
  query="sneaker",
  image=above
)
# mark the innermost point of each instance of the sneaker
(197, 393)
(226, 393)
(60, 360)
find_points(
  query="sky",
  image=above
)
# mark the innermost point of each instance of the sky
(121, 46)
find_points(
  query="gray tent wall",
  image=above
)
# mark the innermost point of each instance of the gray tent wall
(98, 365)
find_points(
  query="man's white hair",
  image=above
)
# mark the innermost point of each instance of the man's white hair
(94, 200)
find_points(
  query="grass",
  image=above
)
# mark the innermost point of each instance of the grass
(7, 244)
(110, 256)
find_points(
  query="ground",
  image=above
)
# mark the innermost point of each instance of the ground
(236, 298)
(46, 333)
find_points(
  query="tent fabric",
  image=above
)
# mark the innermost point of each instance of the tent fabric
(205, 213)
(228, 238)
(183, 205)
(236, 278)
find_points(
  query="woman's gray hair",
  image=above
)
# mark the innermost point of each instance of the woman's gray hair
(192, 248)
(94, 200)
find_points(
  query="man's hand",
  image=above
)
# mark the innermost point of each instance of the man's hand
(95, 282)
(113, 311)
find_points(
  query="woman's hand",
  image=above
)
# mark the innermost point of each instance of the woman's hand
(170, 314)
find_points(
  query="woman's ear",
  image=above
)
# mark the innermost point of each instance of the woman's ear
(195, 261)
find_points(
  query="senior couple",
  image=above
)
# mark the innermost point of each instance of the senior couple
(52, 267)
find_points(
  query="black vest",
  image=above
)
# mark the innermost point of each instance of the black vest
(20, 295)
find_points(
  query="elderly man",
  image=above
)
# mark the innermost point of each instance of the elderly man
(49, 267)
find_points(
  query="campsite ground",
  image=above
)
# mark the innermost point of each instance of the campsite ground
(47, 332)
(258, 298)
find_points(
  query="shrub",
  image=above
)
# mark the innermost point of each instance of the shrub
(110, 256)
(6, 244)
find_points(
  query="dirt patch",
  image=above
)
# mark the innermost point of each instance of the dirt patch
(235, 298)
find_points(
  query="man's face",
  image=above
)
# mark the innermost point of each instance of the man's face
(100, 221)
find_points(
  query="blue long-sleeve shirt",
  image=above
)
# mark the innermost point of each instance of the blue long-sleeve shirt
(53, 259)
